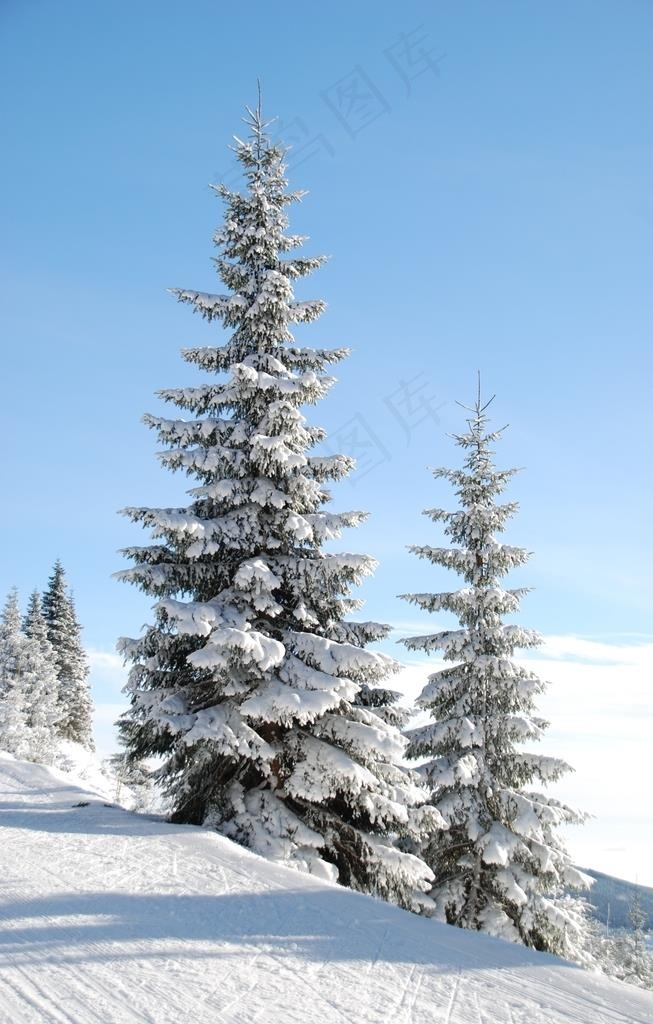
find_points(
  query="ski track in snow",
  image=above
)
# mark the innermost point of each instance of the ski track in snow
(108, 917)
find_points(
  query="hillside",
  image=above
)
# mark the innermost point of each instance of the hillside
(111, 917)
(610, 898)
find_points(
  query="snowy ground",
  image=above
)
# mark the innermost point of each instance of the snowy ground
(110, 917)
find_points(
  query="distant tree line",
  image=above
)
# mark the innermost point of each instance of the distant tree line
(44, 693)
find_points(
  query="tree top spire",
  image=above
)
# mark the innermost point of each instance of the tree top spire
(479, 407)
(256, 124)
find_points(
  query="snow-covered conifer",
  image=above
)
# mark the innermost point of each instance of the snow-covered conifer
(252, 685)
(134, 782)
(501, 867)
(635, 961)
(42, 705)
(64, 633)
(27, 687)
(623, 953)
(13, 727)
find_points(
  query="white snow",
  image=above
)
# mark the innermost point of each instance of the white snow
(107, 917)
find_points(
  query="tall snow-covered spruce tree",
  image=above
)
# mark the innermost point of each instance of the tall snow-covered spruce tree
(252, 685)
(501, 866)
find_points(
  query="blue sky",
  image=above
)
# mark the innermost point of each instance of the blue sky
(488, 206)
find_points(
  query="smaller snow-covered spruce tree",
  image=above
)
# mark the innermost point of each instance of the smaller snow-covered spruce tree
(74, 721)
(501, 867)
(253, 685)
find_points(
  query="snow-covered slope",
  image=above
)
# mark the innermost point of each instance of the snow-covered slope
(106, 916)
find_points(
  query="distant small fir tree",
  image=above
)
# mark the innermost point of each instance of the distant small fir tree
(64, 633)
(134, 781)
(27, 688)
(42, 705)
(14, 737)
(636, 961)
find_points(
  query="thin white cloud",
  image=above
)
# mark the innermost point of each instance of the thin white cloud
(107, 714)
(618, 652)
(108, 673)
(413, 626)
(105, 660)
